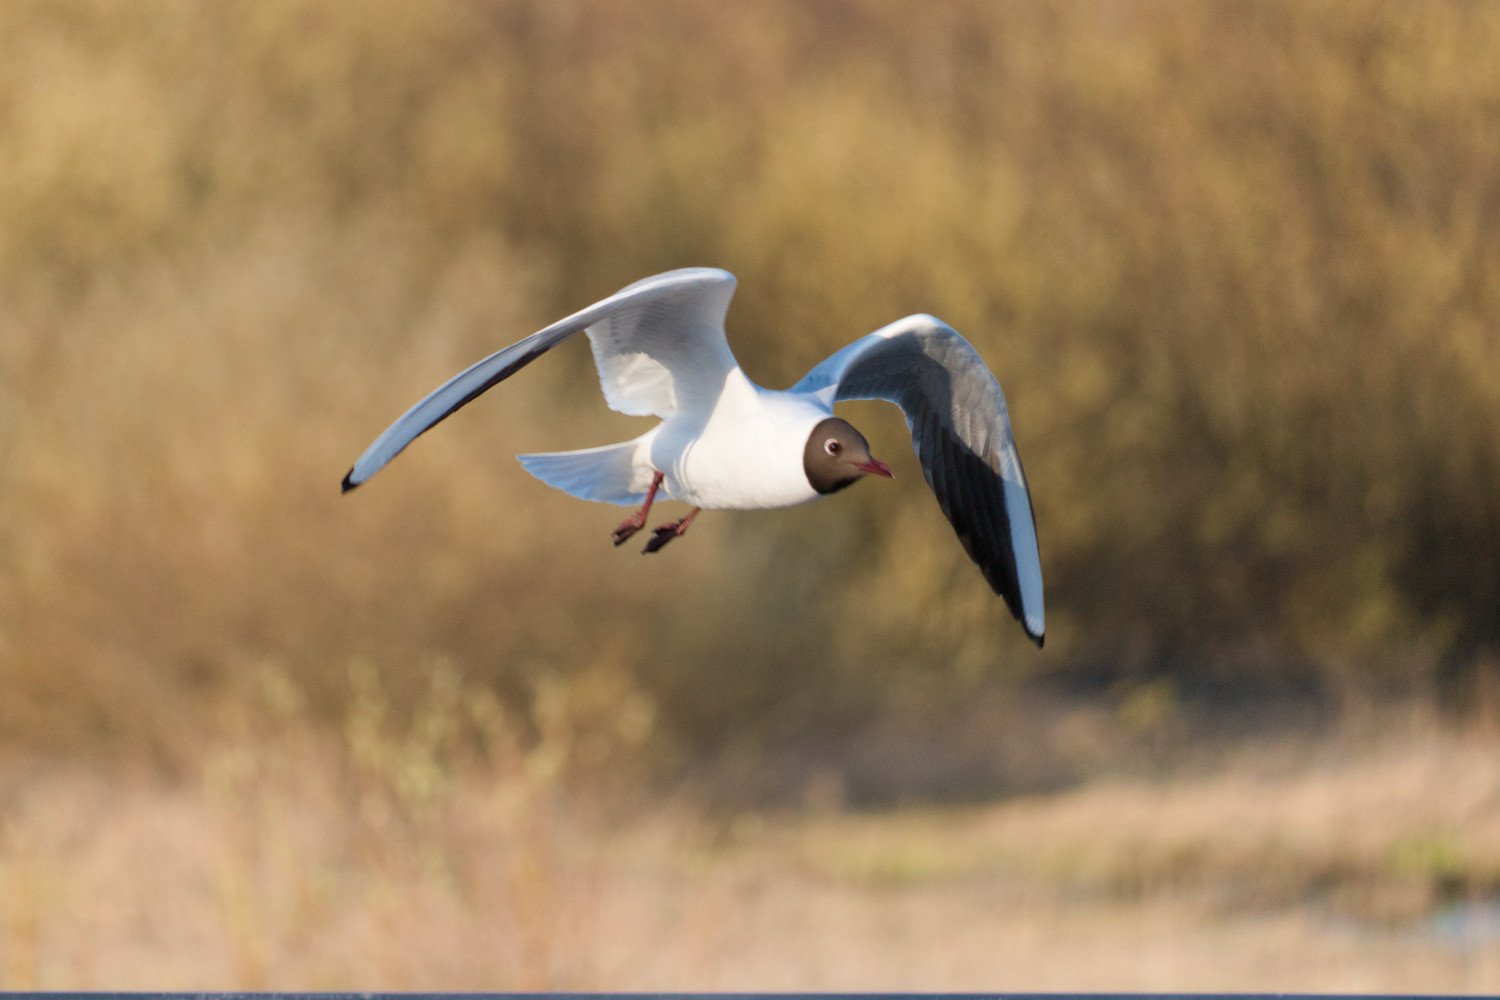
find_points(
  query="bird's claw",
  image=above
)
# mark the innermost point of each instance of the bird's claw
(622, 534)
(661, 536)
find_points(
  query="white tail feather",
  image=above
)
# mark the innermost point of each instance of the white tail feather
(612, 473)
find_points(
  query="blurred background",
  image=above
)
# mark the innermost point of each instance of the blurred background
(1234, 263)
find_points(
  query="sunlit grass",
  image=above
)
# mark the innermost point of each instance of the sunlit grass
(437, 843)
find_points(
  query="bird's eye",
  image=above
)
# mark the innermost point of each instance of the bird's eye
(832, 446)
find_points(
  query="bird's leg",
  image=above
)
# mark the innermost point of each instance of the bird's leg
(672, 529)
(635, 522)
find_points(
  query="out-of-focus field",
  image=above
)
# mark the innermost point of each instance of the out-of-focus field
(387, 858)
(1234, 263)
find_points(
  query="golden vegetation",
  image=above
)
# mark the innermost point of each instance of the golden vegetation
(1234, 264)
(449, 851)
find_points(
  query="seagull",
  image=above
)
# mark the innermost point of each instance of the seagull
(724, 442)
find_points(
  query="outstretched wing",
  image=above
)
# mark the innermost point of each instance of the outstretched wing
(961, 432)
(658, 344)
(661, 349)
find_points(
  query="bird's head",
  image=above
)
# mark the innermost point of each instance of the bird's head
(836, 455)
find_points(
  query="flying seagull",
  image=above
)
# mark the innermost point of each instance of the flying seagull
(725, 443)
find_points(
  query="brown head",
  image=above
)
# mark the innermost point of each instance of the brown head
(836, 455)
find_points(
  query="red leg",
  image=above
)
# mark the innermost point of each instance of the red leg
(672, 529)
(635, 522)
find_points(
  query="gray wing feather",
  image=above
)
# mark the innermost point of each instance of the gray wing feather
(961, 431)
(671, 301)
(666, 352)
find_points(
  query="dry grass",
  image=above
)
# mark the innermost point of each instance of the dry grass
(455, 852)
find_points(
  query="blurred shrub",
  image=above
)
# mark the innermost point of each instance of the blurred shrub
(1233, 263)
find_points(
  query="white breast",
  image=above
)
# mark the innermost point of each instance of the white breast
(744, 454)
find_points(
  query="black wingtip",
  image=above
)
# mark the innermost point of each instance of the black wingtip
(348, 483)
(1040, 640)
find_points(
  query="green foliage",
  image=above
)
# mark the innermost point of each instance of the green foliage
(1436, 857)
(1233, 263)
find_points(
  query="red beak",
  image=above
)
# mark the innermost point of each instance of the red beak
(877, 467)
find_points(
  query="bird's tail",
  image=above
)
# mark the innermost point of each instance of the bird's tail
(612, 473)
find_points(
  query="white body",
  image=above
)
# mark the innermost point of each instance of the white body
(737, 455)
(730, 454)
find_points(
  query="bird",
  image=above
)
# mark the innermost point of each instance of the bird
(723, 442)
